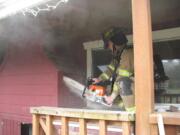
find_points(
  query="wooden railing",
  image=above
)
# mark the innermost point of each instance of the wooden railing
(56, 121)
(171, 121)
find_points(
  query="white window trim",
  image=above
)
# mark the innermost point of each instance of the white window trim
(158, 36)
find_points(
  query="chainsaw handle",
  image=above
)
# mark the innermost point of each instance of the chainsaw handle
(95, 80)
(83, 94)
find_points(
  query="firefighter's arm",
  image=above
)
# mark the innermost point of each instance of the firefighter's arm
(106, 75)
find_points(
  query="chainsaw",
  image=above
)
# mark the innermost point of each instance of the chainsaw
(91, 92)
(95, 92)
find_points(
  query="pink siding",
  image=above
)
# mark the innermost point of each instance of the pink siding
(27, 78)
(10, 127)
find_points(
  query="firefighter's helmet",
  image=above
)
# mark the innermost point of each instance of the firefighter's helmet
(115, 35)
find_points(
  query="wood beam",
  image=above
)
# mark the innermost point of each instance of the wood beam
(85, 113)
(158, 36)
(64, 126)
(126, 126)
(169, 118)
(36, 125)
(49, 130)
(82, 127)
(43, 125)
(143, 62)
(102, 127)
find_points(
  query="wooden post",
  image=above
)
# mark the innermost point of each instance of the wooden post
(49, 126)
(126, 126)
(102, 127)
(154, 129)
(143, 62)
(82, 127)
(35, 122)
(64, 126)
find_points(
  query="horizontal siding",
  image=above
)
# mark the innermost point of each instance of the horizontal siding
(28, 69)
(17, 117)
(24, 110)
(16, 110)
(27, 78)
(35, 100)
(43, 89)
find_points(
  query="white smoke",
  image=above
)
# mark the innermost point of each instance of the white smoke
(74, 86)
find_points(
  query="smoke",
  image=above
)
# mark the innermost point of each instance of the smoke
(74, 86)
(63, 30)
(19, 28)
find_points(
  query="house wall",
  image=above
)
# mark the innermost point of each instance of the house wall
(10, 127)
(27, 78)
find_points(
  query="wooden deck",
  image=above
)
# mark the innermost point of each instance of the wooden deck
(45, 118)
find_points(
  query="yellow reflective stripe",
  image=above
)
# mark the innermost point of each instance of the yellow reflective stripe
(105, 76)
(131, 109)
(124, 73)
(111, 67)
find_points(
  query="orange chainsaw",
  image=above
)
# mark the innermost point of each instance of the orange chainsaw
(95, 92)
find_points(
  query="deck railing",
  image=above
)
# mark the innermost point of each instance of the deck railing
(170, 119)
(57, 121)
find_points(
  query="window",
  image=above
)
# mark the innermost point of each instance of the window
(26, 129)
(100, 57)
(170, 54)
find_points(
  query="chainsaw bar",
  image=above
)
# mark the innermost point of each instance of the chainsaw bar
(77, 88)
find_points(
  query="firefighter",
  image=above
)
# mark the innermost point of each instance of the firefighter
(120, 70)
